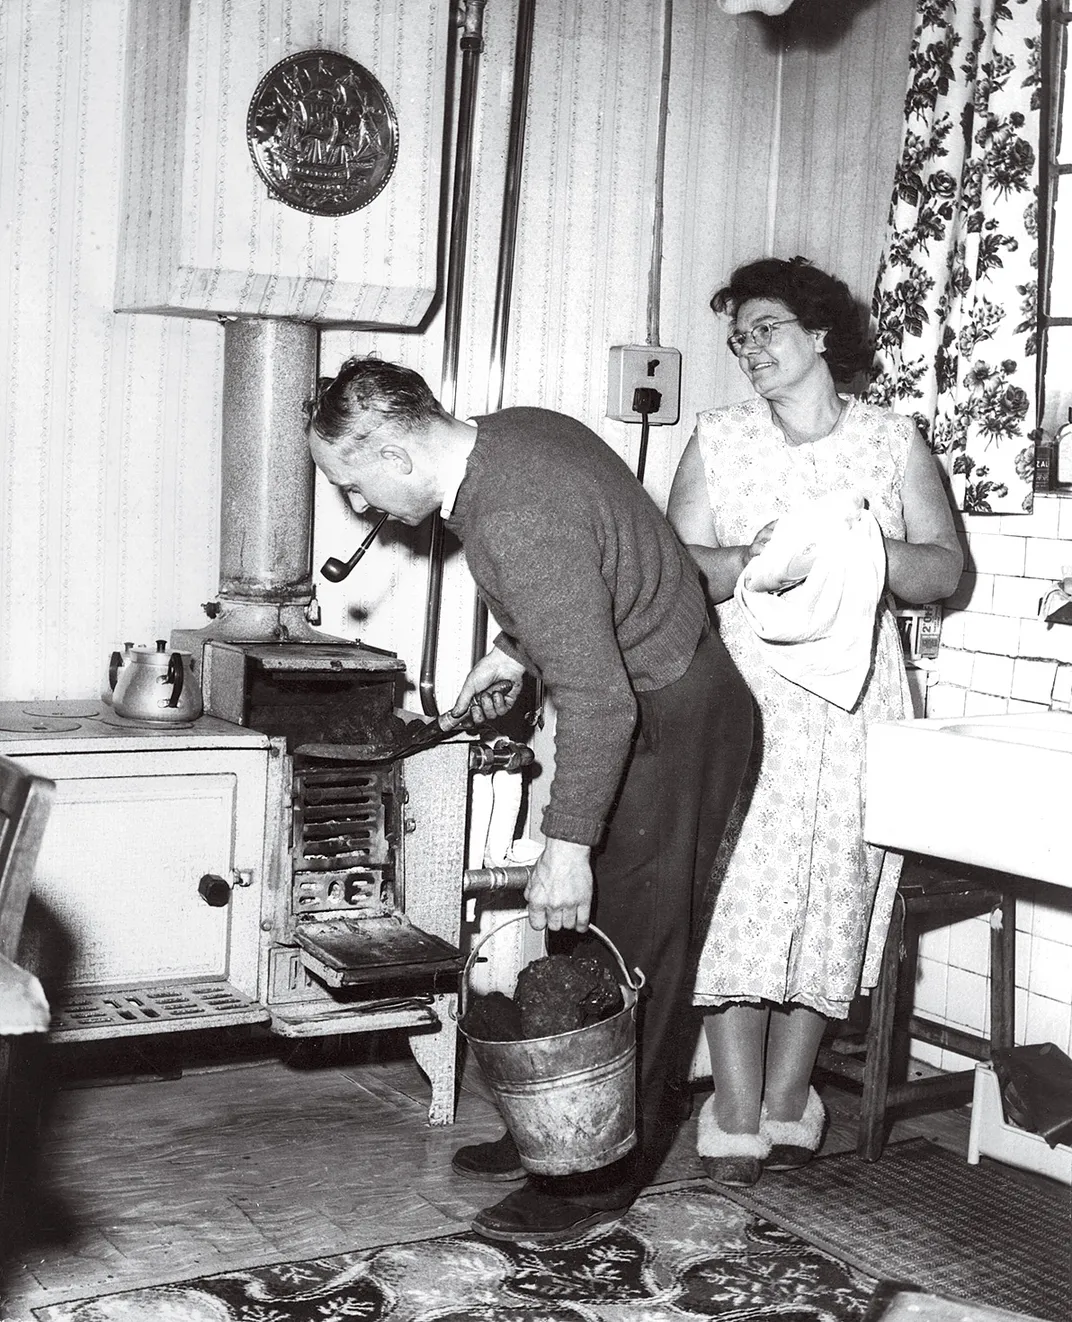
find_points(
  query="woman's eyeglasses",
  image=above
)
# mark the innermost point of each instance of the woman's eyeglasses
(759, 335)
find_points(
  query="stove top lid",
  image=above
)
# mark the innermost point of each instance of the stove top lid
(325, 657)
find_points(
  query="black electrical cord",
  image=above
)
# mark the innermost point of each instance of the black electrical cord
(646, 401)
(642, 457)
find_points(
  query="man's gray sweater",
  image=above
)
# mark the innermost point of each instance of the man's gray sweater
(590, 586)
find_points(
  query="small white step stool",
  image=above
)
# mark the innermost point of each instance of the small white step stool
(991, 1136)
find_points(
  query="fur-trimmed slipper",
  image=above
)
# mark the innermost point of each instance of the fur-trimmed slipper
(794, 1142)
(735, 1159)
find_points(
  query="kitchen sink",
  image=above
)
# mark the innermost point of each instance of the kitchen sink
(991, 791)
(1044, 729)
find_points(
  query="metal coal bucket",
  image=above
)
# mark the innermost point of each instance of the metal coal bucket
(569, 1100)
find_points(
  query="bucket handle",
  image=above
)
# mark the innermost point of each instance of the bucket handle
(634, 982)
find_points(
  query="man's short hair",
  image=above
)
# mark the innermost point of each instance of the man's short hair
(365, 394)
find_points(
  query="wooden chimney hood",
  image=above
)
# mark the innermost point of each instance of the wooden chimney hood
(200, 232)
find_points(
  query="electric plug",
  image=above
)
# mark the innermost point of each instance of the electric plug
(646, 400)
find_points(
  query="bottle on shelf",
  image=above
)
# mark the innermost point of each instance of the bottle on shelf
(1044, 456)
(1062, 457)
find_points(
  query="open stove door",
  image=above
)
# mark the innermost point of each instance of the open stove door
(353, 952)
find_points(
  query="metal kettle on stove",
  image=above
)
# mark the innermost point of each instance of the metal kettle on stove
(158, 686)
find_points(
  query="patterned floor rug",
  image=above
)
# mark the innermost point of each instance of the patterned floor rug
(922, 1214)
(681, 1252)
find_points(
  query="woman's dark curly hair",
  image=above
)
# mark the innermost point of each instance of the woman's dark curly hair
(821, 301)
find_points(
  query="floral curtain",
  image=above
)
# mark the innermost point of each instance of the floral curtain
(954, 303)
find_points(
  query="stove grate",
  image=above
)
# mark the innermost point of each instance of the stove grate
(88, 1013)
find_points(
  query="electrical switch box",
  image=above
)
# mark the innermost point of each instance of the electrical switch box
(648, 367)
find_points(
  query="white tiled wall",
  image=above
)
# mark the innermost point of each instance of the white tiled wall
(998, 656)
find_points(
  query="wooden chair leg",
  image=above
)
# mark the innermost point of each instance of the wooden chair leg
(871, 1131)
(1003, 972)
(8, 1157)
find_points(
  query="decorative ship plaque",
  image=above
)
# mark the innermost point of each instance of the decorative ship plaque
(322, 133)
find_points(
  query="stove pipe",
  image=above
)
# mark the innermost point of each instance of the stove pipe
(266, 478)
(266, 487)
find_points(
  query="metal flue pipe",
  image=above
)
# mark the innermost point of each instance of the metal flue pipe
(515, 157)
(266, 506)
(472, 44)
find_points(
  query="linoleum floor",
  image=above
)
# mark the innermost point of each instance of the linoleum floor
(261, 1154)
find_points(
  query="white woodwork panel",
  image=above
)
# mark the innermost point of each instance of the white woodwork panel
(201, 234)
(119, 870)
(115, 896)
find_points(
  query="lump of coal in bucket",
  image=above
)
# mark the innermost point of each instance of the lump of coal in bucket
(492, 1018)
(562, 992)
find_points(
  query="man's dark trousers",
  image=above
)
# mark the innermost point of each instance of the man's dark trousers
(652, 879)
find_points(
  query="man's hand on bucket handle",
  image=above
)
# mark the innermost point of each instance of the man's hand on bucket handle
(559, 893)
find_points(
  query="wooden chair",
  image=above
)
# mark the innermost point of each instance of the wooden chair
(930, 894)
(25, 800)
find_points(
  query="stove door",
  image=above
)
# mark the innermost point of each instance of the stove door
(145, 914)
(350, 952)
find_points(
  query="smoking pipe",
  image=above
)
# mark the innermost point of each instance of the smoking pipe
(335, 570)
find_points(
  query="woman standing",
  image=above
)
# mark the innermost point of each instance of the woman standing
(802, 903)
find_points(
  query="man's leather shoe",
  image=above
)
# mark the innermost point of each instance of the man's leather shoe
(497, 1162)
(530, 1216)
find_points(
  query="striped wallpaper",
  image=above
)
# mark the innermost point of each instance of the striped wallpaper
(109, 423)
(108, 428)
(779, 136)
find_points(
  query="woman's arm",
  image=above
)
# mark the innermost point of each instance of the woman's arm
(689, 513)
(927, 565)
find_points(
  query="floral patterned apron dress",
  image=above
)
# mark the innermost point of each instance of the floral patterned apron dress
(802, 903)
